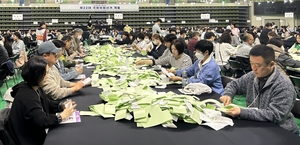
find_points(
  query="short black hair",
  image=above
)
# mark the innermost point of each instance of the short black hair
(42, 23)
(173, 30)
(208, 35)
(170, 38)
(276, 41)
(227, 31)
(148, 35)
(266, 52)
(204, 45)
(268, 25)
(182, 31)
(34, 70)
(66, 38)
(17, 34)
(225, 38)
(59, 43)
(141, 36)
(159, 20)
(125, 33)
(179, 46)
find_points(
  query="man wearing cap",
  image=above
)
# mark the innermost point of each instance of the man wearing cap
(55, 86)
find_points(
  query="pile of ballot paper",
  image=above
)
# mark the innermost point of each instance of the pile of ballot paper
(131, 97)
(149, 108)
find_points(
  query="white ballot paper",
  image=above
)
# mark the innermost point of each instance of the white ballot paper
(81, 76)
(87, 81)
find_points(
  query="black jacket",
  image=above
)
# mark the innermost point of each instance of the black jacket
(288, 43)
(30, 115)
(156, 53)
(3, 55)
(264, 36)
(124, 41)
(9, 49)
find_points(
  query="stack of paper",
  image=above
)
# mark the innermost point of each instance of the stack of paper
(130, 96)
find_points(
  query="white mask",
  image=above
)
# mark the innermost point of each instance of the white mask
(155, 43)
(147, 40)
(79, 37)
(138, 39)
(199, 56)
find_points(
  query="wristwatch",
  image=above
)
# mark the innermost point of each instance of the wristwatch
(59, 117)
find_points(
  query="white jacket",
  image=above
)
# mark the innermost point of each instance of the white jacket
(223, 52)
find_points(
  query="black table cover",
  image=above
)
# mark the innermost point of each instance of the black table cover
(101, 131)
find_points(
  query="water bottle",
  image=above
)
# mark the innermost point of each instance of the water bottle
(184, 79)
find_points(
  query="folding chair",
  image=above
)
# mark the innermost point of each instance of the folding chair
(236, 66)
(226, 80)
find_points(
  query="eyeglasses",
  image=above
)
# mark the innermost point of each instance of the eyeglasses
(55, 54)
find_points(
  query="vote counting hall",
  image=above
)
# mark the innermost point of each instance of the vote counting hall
(150, 72)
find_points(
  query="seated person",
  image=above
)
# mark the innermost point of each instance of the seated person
(141, 45)
(266, 89)
(148, 40)
(224, 50)
(76, 42)
(59, 35)
(159, 47)
(67, 59)
(18, 45)
(32, 111)
(66, 73)
(242, 53)
(234, 39)
(55, 86)
(94, 36)
(116, 34)
(3, 55)
(7, 44)
(282, 60)
(18, 48)
(182, 38)
(289, 41)
(272, 34)
(124, 40)
(205, 70)
(193, 41)
(178, 60)
(169, 38)
(296, 47)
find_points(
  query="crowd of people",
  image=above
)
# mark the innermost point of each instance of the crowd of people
(203, 54)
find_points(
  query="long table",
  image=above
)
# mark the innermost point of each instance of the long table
(101, 131)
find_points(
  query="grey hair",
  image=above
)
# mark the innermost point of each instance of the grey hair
(77, 30)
